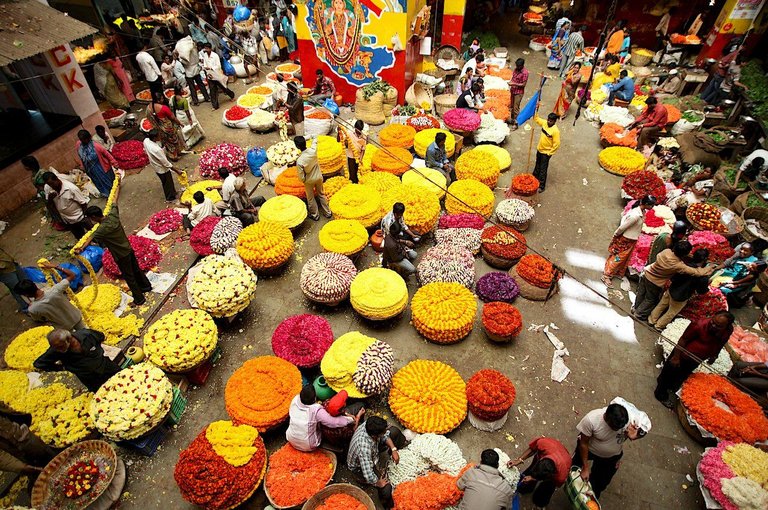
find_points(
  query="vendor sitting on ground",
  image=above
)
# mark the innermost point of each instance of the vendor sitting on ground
(437, 158)
(623, 90)
(370, 440)
(324, 87)
(483, 486)
(399, 252)
(653, 119)
(52, 305)
(396, 215)
(305, 417)
(694, 188)
(754, 164)
(80, 353)
(610, 73)
(202, 208)
(753, 375)
(236, 199)
(739, 291)
(471, 99)
(671, 86)
(735, 268)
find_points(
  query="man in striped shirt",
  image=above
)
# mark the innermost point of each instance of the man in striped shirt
(572, 46)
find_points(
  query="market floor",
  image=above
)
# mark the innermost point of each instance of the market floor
(610, 354)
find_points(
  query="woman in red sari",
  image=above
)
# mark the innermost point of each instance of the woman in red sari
(568, 91)
(625, 239)
(162, 118)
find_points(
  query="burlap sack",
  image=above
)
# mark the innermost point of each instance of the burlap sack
(371, 110)
(529, 291)
(692, 154)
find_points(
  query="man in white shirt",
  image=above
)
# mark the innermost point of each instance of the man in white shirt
(149, 67)
(67, 198)
(201, 209)
(159, 162)
(188, 54)
(217, 80)
(755, 164)
(236, 199)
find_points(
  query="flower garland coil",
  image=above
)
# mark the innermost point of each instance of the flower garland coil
(327, 277)
(397, 135)
(265, 246)
(334, 184)
(447, 263)
(428, 178)
(358, 202)
(288, 183)
(380, 181)
(347, 237)
(181, 340)
(443, 312)
(200, 237)
(393, 160)
(502, 321)
(378, 293)
(422, 209)
(501, 155)
(225, 234)
(497, 286)
(302, 339)
(331, 156)
(620, 160)
(424, 139)
(468, 238)
(222, 286)
(490, 395)
(469, 196)
(286, 210)
(477, 165)
(461, 119)
(358, 364)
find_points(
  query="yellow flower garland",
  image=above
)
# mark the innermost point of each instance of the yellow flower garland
(424, 139)
(233, 443)
(478, 165)
(477, 197)
(66, 423)
(428, 397)
(443, 312)
(286, 210)
(250, 101)
(339, 362)
(366, 163)
(347, 237)
(393, 160)
(334, 184)
(747, 461)
(621, 160)
(427, 178)
(422, 208)
(378, 293)
(181, 340)
(502, 155)
(187, 198)
(397, 135)
(14, 386)
(330, 155)
(380, 181)
(265, 245)
(222, 286)
(109, 297)
(23, 350)
(358, 202)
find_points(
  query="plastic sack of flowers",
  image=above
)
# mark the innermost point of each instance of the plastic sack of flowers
(283, 153)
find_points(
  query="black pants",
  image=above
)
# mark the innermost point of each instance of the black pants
(185, 221)
(169, 190)
(601, 472)
(135, 278)
(672, 377)
(80, 228)
(385, 493)
(542, 489)
(215, 87)
(648, 296)
(156, 87)
(352, 165)
(540, 170)
(196, 81)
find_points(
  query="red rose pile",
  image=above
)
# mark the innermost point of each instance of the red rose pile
(718, 246)
(130, 154)
(112, 113)
(165, 221)
(223, 155)
(237, 113)
(200, 238)
(490, 394)
(502, 319)
(147, 252)
(302, 339)
(642, 183)
(536, 270)
(705, 306)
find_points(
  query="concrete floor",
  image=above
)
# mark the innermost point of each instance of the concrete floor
(610, 355)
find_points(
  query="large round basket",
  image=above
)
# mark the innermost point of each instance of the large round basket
(692, 430)
(733, 228)
(531, 292)
(339, 488)
(497, 262)
(531, 200)
(331, 458)
(47, 495)
(754, 213)
(720, 200)
(418, 95)
(445, 102)
(739, 204)
(521, 226)
(640, 60)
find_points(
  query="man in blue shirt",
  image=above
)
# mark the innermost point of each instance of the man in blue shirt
(623, 89)
(437, 158)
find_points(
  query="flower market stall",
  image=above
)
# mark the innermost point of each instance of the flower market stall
(378, 294)
(181, 340)
(358, 364)
(266, 246)
(358, 202)
(302, 339)
(443, 312)
(422, 209)
(327, 277)
(221, 286)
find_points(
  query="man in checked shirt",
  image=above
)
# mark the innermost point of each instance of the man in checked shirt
(369, 440)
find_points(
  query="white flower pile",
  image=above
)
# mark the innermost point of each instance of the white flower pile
(261, 120)
(511, 475)
(224, 235)
(467, 238)
(491, 129)
(616, 115)
(495, 83)
(675, 330)
(514, 210)
(283, 153)
(668, 142)
(427, 452)
(327, 277)
(222, 286)
(745, 493)
(447, 263)
(666, 214)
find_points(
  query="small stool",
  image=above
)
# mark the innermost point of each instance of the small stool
(619, 102)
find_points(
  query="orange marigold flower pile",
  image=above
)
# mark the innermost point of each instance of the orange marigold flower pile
(536, 270)
(433, 491)
(397, 135)
(497, 108)
(393, 160)
(341, 502)
(502, 319)
(288, 183)
(502, 96)
(294, 477)
(490, 394)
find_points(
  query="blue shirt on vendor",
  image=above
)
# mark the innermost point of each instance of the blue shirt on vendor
(623, 89)
(436, 157)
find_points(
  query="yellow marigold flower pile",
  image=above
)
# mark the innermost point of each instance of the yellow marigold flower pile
(250, 101)
(14, 386)
(358, 202)
(479, 166)
(378, 293)
(359, 364)
(334, 184)
(469, 196)
(347, 237)
(23, 350)
(100, 298)
(181, 340)
(366, 162)
(501, 154)
(65, 423)
(380, 181)
(214, 195)
(222, 286)
(265, 245)
(621, 160)
(330, 155)
(427, 178)
(443, 312)
(428, 396)
(422, 208)
(43, 397)
(397, 135)
(115, 329)
(393, 160)
(233, 443)
(286, 210)
(424, 139)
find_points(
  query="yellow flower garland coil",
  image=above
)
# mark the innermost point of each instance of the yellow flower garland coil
(621, 160)
(378, 293)
(23, 350)
(286, 210)
(358, 364)
(334, 184)
(393, 160)
(132, 402)
(250, 101)
(14, 386)
(428, 396)
(397, 135)
(358, 202)
(422, 208)
(366, 163)
(331, 156)
(347, 237)
(265, 245)
(502, 155)
(233, 443)
(222, 286)
(66, 423)
(428, 178)
(469, 196)
(424, 139)
(479, 166)
(181, 340)
(443, 312)
(187, 198)
(380, 181)
(109, 297)
(747, 461)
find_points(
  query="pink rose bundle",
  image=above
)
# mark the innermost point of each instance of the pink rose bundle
(718, 246)
(147, 253)
(462, 220)
(130, 155)
(302, 339)
(462, 119)
(200, 238)
(639, 257)
(714, 469)
(165, 221)
(705, 306)
(223, 155)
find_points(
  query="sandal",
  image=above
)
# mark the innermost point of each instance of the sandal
(608, 281)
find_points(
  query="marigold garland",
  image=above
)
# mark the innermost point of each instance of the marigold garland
(23, 350)
(424, 139)
(347, 237)
(286, 210)
(223, 286)
(620, 160)
(501, 155)
(428, 178)
(393, 160)
(428, 396)
(359, 202)
(265, 245)
(524, 185)
(477, 165)
(181, 340)
(115, 329)
(302, 339)
(397, 135)
(377, 293)
(617, 135)
(469, 196)
(341, 501)
(327, 277)
(502, 319)
(422, 209)
(288, 183)
(358, 364)
(331, 156)
(367, 159)
(536, 270)
(334, 184)
(259, 393)
(443, 312)
(187, 198)
(294, 476)
(380, 181)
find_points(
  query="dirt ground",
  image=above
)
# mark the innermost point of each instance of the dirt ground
(610, 354)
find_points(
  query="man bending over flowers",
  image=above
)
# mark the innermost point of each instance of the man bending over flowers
(370, 439)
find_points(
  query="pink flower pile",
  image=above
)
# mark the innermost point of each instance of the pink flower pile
(462, 220)
(302, 339)
(223, 155)
(200, 238)
(705, 306)
(165, 221)
(130, 155)
(642, 250)
(147, 253)
(714, 469)
(462, 119)
(718, 246)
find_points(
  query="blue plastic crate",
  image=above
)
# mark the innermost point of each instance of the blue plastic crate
(147, 445)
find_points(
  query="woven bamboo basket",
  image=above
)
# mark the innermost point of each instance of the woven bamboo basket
(531, 292)
(639, 60)
(754, 213)
(445, 102)
(331, 458)
(717, 198)
(723, 186)
(740, 203)
(691, 430)
(339, 488)
(418, 95)
(497, 262)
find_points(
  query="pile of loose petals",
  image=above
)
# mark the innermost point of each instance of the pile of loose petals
(237, 113)
(422, 121)
(14, 386)
(468, 196)
(359, 202)
(181, 340)
(334, 184)
(502, 319)
(331, 156)
(380, 181)
(222, 286)
(112, 113)
(621, 160)
(490, 394)
(147, 253)
(477, 165)
(341, 501)
(718, 246)
(447, 263)
(302, 339)
(428, 396)
(115, 329)
(327, 277)
(286, 210)
(673, 113)
(707, 216)
(200, 237)
(378, 294)
(641, 183)
(497, 286)
(108, 298)
(424, 139)
(501, 155)
(422, 209)
(443, 312)
(347, 237)
(265, 246)
(130, 155)
(294, 476)
(744, 421)
(23, 350)
(705, 306)
(615, 134)
(461, 119)
(397, 135)
(187, 198)
(513, 211)
(264, 90)
(393, 160)
(433, 491)
(65, 423)
(461, 220)
(501, 96)
(748, 346)
(283, 153)
(207, 479)
(536, 270)
(225, 234)
(467, 238)
(428, 178)
(165, 221)
(288, 183)
(223, 155)
(524, 185)
(319, 114)
(259, 393)
(497, 108)
(358, 364)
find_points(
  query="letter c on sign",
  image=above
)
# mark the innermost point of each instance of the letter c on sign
(60, 56)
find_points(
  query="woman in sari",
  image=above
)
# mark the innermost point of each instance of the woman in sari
(97, 162)
(122, 78)
(285, 21)
(190, 128)
(162, 118)
(625, 239)
(562, 31)
(735, 269)
(568, 90)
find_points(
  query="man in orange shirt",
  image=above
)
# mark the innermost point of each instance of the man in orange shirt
(616, 39)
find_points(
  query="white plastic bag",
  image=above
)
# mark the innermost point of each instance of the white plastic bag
(317, 127)
(237, 124)
(636, 416)
(683, 126)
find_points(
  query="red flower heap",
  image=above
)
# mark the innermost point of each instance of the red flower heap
(461, 220)
(165, 221)
(502, 319)
(641, 183)
(524, 185)
(295, 476)
(200, 238)
(237, 113)
(705, 306)
(112, 113)
(536, 270)
(718, 246)
(490, 394)
(302, 339)
(147, 252)
(223, 155)
(504, 242)
(130, 155)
